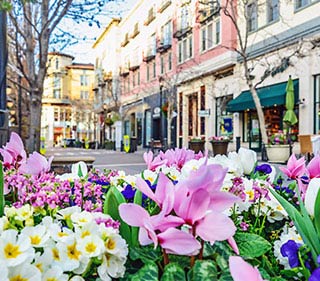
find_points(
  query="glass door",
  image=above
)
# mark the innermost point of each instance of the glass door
(254, 135)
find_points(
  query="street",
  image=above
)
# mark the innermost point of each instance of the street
(131, 163)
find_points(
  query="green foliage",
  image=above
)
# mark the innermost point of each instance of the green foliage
(111, 205)
(203, 270)
(173, 271)
(5, 6)
(252, 245)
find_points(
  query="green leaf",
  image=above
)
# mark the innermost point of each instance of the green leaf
(317, 214)
(145, 254)
(251, 245)
(111, 207)
(226, 276)
(1, 191)
(173, 272)
(147, 273)
(203, 270)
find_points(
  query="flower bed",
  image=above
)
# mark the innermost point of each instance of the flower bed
(186, 217)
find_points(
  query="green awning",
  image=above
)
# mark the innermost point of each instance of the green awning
(269, 96)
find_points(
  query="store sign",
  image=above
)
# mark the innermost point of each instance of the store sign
(156, 112)
(203, 113)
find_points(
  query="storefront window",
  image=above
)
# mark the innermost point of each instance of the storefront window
(148, 126)
(317, 103)
(224, 125)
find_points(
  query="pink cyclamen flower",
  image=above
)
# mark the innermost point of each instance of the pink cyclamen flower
(153, 163)
(36, 164)
(314, 167)
(13, 152)
(159, 229)
(295, 168)
(242, 271)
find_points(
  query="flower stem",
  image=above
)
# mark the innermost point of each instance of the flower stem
(165, 257)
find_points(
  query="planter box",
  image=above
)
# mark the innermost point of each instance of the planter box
(196, 146)
(219, 147)
(278, 153)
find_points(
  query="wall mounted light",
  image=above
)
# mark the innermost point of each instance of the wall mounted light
(301, 101)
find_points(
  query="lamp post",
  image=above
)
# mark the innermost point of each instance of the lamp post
(161, 113)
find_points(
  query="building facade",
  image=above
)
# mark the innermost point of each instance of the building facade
(179, 74)
(67, 103)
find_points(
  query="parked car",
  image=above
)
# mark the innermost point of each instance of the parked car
(68, 143)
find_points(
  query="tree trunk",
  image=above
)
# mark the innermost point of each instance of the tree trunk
(35, 122)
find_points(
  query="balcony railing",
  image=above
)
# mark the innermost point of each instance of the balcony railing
(183, 32)
(149, 55)
(150, 18)
(206, 14)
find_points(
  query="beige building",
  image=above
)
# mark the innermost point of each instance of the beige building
(67, 103)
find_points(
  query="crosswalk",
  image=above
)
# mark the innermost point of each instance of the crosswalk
(84, 153)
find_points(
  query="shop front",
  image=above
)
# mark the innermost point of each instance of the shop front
(272, 100)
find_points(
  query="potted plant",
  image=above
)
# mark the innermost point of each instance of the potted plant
(278, 147)
(197, 144)
(219, 144)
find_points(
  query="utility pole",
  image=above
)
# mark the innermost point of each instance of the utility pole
(3, 78)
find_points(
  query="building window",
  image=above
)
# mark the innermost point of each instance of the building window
(210, 35)
(166, 34)
(84, 95)
(162, 68)
(272, 10)
(185, 49)
(148, 72)
(57, 63)
(56, 82)
(170, 61)
(252, 16)
(180, 114)
(138, 77)
(154, 69)
(84, 80)
(224, 125)
(57, 94)
(317, 103)
(184, 17)
(301, 3)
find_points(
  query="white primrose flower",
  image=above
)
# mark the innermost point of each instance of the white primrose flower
(112, 266)
(131, 180)
(91, 246)
(14, 249)
(54, 273)
(85, 230)
(38, 235)
(3, 223)
(4, 272)
(172, 172)
(66, 213)
(57, 233)
(43, 261)
(69, 254)
(116, 245)
(151, 176)
(82, 218)
(25, 272)
(275, 210)
(77, 278)
(24, 213)
(10, 212)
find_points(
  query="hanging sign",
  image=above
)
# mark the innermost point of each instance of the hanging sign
(203, 113)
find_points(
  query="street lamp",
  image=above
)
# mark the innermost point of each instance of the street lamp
(161, 113)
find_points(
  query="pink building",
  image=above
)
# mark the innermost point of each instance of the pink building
(175, 67)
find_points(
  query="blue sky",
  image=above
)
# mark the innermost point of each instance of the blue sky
(82, 51)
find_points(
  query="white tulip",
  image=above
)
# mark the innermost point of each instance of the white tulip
(311, 195)
(248, 159)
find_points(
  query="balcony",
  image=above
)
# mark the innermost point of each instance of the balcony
(124, 71)
(136, 31)
(164, 5)
(207, 14)
(163, 46)
(125, 41)
(183, 32)
(150, 18)
(150, 55)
